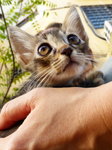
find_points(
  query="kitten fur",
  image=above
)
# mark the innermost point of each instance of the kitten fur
(58, 56)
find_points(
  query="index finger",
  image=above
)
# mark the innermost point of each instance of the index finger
(15, 110)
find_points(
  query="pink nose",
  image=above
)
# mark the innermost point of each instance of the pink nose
(67, 51)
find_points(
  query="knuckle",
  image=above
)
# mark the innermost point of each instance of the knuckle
(37, 95)
(34, 96)
(5, 109)
(40, 92)
(5, 106)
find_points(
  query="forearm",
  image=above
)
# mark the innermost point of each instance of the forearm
(95, 119)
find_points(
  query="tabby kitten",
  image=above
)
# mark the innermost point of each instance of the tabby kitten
(58, 56)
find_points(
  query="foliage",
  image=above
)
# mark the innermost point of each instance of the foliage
(10, 72)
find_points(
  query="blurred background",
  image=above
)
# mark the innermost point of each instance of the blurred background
(33, 16)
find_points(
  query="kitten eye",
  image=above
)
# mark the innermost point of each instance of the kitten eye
(73, 39)
(44, 49)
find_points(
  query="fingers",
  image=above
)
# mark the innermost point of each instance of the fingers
(15, 110)
(24, 137)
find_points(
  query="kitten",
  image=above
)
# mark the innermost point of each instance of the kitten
(58, 56)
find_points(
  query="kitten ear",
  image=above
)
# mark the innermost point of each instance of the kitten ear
(23, 45)
(73, 24)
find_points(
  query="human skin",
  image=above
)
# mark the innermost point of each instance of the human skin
(60, 119)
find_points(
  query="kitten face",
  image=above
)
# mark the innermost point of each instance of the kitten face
(63, 56)
(56, 55)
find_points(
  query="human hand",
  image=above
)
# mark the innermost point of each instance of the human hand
(60, 119)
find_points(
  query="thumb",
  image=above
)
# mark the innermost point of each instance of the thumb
(15, 110)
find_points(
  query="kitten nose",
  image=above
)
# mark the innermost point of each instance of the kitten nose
(67, 51)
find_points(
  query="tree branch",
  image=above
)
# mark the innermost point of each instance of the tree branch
(13, 58)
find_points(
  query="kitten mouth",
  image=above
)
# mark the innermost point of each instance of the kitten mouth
(71, 63)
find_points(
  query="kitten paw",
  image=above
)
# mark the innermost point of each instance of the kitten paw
(96, 79)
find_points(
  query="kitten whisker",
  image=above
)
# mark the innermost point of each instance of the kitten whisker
(34, 81)
(49, 79)
(48, 76)
(87, 58)
(100, 55)
(93, 54)
(52, 73)
(49, 68)
(91, 60)
(41, 83)
(38, 79)
(56, 62)
(41, 72)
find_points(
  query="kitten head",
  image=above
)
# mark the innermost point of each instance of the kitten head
(57, 54)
